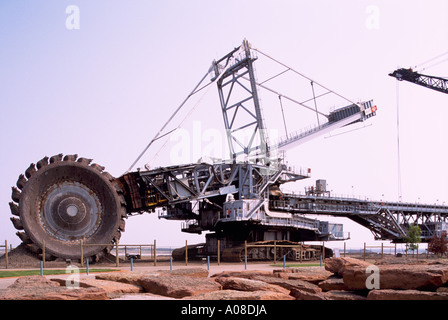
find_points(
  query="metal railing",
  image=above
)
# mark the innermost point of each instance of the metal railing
(117, 250)
(368, 251)
(382, 246)
(362, 206)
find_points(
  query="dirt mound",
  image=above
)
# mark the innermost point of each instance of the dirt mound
(21, 257)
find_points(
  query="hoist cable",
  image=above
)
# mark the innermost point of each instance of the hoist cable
(166, 123)
(283, 114)
(398, 141)
(194, 91)
(315, 104)
(430, 60)
(302, 75)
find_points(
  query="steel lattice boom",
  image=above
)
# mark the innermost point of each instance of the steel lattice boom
(386, 220)
(431, 82)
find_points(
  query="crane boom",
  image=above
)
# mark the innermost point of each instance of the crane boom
(431, 82)
(337, 119)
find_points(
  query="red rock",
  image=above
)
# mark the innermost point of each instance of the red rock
(76, 294)
(442, 289)
(343, 295)
(113, 289)
(33, 282)
(404, 277)
(240, 295)
(290, 283)
(124, 277)
(247, 274)
(310, 274)
(41, 288)
(338, 265)
(305, 295)
(241, 284)
(133, 277)
(188, 272)
(177, 286)
(390, 294)
(332, 283)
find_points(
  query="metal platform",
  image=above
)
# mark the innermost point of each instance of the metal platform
(386, 220)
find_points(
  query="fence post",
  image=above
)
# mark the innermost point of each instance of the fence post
(344, 248)
(245, 254)
(219, 252)
(275, 251)
(155, 253)
(6, 253)
(323, 250)
(364, 251)
(43, 252)
(382, 250)
(395, 250)
(186, 252)
(117, 260)
(82, 255)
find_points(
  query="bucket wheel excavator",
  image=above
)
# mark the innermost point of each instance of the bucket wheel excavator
(63, 200)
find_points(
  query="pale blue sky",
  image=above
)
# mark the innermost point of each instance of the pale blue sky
(103, 90)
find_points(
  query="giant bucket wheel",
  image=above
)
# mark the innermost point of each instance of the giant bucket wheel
(65, 200)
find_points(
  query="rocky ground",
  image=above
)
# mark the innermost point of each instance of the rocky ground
(341, 279)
